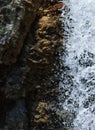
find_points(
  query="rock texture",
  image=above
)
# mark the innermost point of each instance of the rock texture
(30, 47)
(16, 18)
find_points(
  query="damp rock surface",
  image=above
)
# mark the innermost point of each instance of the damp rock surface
(30, 45)
(16, 17)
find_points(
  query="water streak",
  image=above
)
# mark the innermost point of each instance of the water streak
(79, 74)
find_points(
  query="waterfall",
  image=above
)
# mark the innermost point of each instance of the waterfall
(78, 76)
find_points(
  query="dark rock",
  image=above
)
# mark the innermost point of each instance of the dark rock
(16, 19)
(30, 42)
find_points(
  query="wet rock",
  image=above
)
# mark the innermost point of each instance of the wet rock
(31, 38)
(42, 117)
(17, 118)
(44, 56)
(16, 18)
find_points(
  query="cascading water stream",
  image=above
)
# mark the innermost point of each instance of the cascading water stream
(78, 77)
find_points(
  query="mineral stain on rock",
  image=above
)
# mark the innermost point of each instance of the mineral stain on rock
(30, 45)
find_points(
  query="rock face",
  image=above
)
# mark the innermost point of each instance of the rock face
(16, 18)
(30, 45)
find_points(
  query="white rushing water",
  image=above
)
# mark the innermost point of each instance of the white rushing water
(79, 64)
